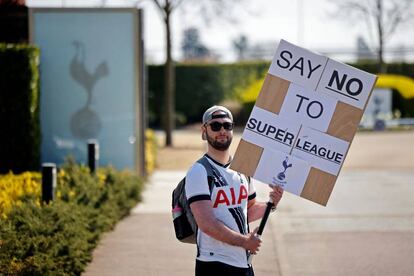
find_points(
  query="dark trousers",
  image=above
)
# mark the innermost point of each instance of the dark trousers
(220, 269)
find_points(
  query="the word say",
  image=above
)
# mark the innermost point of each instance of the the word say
(297, 65)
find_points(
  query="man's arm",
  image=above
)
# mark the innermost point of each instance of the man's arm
(256, 210)
(208, 223)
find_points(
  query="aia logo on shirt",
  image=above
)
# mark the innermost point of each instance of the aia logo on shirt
(229, 197)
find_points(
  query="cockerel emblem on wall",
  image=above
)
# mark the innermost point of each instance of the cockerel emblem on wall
(85, 123)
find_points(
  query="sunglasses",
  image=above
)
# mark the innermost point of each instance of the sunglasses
(216, 126)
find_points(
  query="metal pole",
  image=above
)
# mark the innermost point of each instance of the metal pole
(48, 182)
(93, 155)
(262, 225)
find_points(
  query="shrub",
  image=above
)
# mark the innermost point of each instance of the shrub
(19, 108)
(58, 238)
(404, 105)
(14, 187)
(14, 23)
(248, 98)
(199, 86)
(151, 148)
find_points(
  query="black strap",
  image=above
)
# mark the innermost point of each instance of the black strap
(220, 116)
(209, 169)
(210, 176)
(210, 179)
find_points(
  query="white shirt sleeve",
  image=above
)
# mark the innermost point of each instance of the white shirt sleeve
(252, 189)
(196, 184)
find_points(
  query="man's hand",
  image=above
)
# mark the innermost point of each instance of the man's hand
(276, 194)
(252, 243)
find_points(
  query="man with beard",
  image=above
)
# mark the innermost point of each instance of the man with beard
(224, 204)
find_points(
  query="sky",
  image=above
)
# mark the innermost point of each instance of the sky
(311, 24)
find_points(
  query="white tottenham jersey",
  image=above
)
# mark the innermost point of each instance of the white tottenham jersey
(229, 201)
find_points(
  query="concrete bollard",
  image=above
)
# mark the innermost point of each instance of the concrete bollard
(48, 182)
(93, 155)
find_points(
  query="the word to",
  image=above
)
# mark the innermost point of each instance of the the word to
(314, 109)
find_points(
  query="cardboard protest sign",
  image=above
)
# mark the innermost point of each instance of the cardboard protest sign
(303, 122)
(270, 130)
(320, 150)
(312, 109)
(297, 65)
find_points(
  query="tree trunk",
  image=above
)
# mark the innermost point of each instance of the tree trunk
(382, 67)
(169, 99)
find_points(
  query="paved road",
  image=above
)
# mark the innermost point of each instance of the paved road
(144, 243)
(369, 150)
(366, 229)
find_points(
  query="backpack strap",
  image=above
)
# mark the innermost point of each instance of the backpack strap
(209, 169)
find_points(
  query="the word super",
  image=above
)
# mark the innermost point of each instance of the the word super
(270, 131)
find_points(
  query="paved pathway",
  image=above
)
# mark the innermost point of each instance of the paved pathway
(366, 229)
(144, 242)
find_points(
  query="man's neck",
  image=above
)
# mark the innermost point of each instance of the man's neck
(223, 157)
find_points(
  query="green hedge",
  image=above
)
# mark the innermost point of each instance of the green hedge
(19, 108)
(58, 239)
(405, 106)
(405, 69)
(14, 23)
(198, 86)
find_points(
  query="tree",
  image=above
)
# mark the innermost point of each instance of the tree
(166, 7)
(363, 51)
(382, 18)
(206, 8)
(192, 47)
(5, 3)
(241, 45)
(14, 21)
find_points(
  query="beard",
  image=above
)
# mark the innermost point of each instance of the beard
(221, 146)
